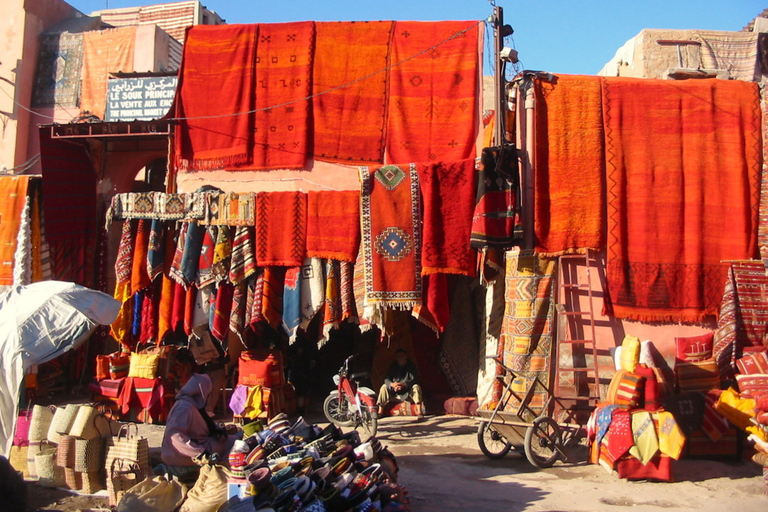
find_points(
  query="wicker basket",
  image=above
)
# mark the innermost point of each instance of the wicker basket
(73, 479)
(18, 459)
(48, 473)
(84, 424)
(93, 482)
(65, 453)
(89, 454)
(62, 422)
(40, 423)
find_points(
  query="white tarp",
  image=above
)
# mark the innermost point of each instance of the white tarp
(39, 322)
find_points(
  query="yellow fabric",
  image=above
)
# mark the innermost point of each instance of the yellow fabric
(122, 324)
(630, 353)
(253, 403)
(671, 438)
(738, 411)
(644, 435)
(143, 366)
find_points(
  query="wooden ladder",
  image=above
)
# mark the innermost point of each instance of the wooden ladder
(578, 333)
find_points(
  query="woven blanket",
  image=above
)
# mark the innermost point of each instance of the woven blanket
(312, 289)
(459, 350)
(683, 168)
(64, 53)
(205, 262)
(433, 103)
(156, 205)
(350, 90)
(156, 248)
(283, 81)
(332, 304)
(292, 304)
(242, 264)
(237, 314)
(569, 198)
(139, 276)
(333, 224)
(391, 234)
(256, 301)
(272, 296)
(743, 318)
(435, 309)
(347, 291)
(448, 196)
(527, 328)
(281, 228)
(219, 62)
(231, 209)
(165, 306)
(222, 310)
(13, 190)
(495, 221)
(222, 254)
(762, 225)
(736, 52)
(105, 51)
(175, 272)
(190, 259)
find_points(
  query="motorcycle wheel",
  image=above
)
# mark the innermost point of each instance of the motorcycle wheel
(337, 411)
(366, 422)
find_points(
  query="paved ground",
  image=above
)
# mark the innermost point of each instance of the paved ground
(444, 470)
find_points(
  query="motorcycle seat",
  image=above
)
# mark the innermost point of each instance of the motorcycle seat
(358, 376)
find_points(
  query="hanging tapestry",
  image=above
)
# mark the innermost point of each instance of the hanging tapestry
(448, 192)
(683, 163)
(333, 224)
(347, 292)
(231, 209)
(222, 254)
(59, 63)
(156, 205)
(272, 297)
(13, 190)
(123, 266)
(569, 198)
(331, 306)
(433, 104)
(527, 328)
(205, 263)
(242, 264)
(237, 314)
(434, 311)
(257, 301)
(743, 319)
(175, 272)
(105, 52)
(156, 249)
(281, 228)
(495, 222)
(391, 233)
(283, 76)
(139, 277)
(190, 258)
(292, 303)
(312, 287)
(459, 350)
(349, 85)
(218, 62)
(762, 225)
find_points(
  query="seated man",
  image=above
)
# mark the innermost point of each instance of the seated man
(190, 432)
(401, 382)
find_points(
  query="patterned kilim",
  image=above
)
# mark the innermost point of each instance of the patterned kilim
(333, 224)
(156, 248)
(762, 225)
(219, 62)
(448, 191)
(281, 228)
(231, 209)
(13, 190)
(350, 85)
(283, 75)
(743, 320)
(291, 303)
(391, 236)
(346, 285)
(496, 200)
(272, 297)
(435, 309)
(105, 51)
(242, 265)
(312, 290)
(156, 205)
(64, 54)
(527, 327)
(683, 163)
(139, 276)
(433, 104)
(332, 305)
(569, 194)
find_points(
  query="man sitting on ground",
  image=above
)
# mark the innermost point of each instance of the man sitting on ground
(401, 382)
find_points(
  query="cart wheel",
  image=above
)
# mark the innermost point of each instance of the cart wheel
(541, 442)
(492, 444)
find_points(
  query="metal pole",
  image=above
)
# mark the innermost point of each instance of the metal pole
(498, 44)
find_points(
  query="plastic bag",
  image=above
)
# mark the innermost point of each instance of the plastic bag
(153, 495)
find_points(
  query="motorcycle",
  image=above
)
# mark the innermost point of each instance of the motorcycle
(350, 404)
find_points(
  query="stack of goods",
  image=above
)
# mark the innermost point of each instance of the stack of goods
(261, 387)
(292, 466)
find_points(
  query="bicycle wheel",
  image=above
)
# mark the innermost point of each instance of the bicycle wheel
(366, 422)
(337, 411)
(541, 442)
(492, 444)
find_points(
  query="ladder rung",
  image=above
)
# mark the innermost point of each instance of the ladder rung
(584, 342)
(578, 286)
(575, 313)
(573, 256)
(572, 369)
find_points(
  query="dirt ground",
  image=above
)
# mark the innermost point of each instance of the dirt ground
(443, 469)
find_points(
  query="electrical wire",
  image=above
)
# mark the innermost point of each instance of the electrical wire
(23, 107)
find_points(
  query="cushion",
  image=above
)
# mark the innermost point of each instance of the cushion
(697, 375)
(752, 385)
(694, 348)
(143, 366)
(630, 353)
(626, 389)
(650, 399)
(753, 363)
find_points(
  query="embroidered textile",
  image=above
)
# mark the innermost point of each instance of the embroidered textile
(391, 234)
(281, 228)
(569, 165)
(257, 302)
(105, 52)
(175, 271)
(204, 273)
(716, 123)
(124, 260)
(237, 314)
(312, 287)
(190, 259)
(242, 264)
(156, 205)
(222, 254)
(644, 433)
(433, 102)
(347, 292)
(148, 327)
(62, 52)
(619, 436)
(495, 222)
(448, 194)
(332, 305)
(292, 302)
(231, 209)
(671, 438)
(350, 91)
(156, 249)
(333, 224)
(218, 62)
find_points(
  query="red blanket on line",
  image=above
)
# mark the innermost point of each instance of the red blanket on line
(448, 192)
(350, 88)
(433, 112)
(333, 224)
(219, 62)
(281, 228)
(683, 166)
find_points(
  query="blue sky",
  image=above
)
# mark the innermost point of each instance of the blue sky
(573, 36)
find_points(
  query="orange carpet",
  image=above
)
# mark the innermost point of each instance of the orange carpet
(569, 199)
(683, 161)
(333, 224)
(104, 52)
(13, 190)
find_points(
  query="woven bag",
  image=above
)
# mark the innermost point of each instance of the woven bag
(119, 363)
(143, 366)
(73, 479)
(89, 455)
(40, 423)
(84, 425)
(33, 449)
(102, 367)
(21, 436)
(48, 473)
(127, 444)
(93, 482)
(18, 459)
(123, 474)
(62, 421)
(65, 452)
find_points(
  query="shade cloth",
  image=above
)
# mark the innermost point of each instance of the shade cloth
(683, 168)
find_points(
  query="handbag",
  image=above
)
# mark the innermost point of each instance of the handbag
(129, 445)
(33, 449)
(143, 366)
(89, 453)
(62, 421)
(85, 424)
(40, 422)
(123, 475)
(65, 452)
(21, 437)
(153, 495)
(48, 473)
(102, 367)
(119, 362)
(202, 348)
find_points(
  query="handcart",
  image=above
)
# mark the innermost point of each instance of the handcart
(535, 433)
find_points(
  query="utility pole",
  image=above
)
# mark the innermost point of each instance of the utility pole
(498, 44)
